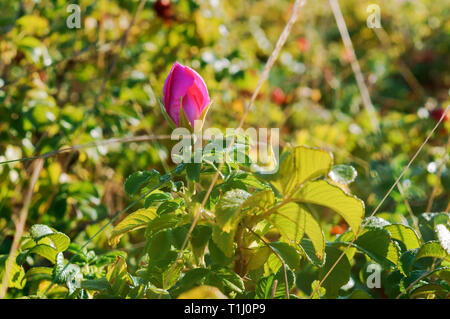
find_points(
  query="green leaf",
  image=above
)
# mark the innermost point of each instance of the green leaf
(138, 219)
(444, 274)
(265, 286)
(199, 239)
(99, 284)
(375, 222)
(165, 273)
(171, 274)
(260, 200)
(203, 292)
(300, 165)
(434, 219)
(167, 207)
(405, 234)
(39, 231)
(138, 179)
(162, 222)
(16, 274)
(228, 209)
(391, 284)
(39, 273)
(109, 258)
(317, 291)
(159, 245)
(225, 279)
(45, 251)
(407, 260)
(293, 221)
(272, 265)
(224, 241)
(431, 249)
(406, 283)
(245, 180)
(376, 243)
(288, 253)
(289, 219)
(217, 255)
(200, 236)
(310, 253)
(192, 278)
(59, 240)
(426, 290)
(343, 174)
(179, 235)
(325, 194)
(340, 274)
(193, 171)
(156, 196)
(66, 274)
(258, 257)
(118, 278)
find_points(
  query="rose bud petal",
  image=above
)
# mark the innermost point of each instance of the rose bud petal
(186, 86)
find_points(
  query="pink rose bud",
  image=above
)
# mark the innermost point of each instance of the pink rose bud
(185, 85)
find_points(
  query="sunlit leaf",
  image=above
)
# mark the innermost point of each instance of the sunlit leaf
(288, 253)
(258, 257)
(16, 275)
(203, 292)
(138, 179)
(431, 249)
(293, 221)
(262, 200)
(228, 209)
(59, 240)
(300, 165)
(138, 219)
(99, 284)
(325, 194)
(118, 277)
(45, 251)
(405, 234)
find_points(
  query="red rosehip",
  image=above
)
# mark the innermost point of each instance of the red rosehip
(437, 114)
(337, 230)
(347, 56)
(278, 96)
(303, 44)
(163, 9)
